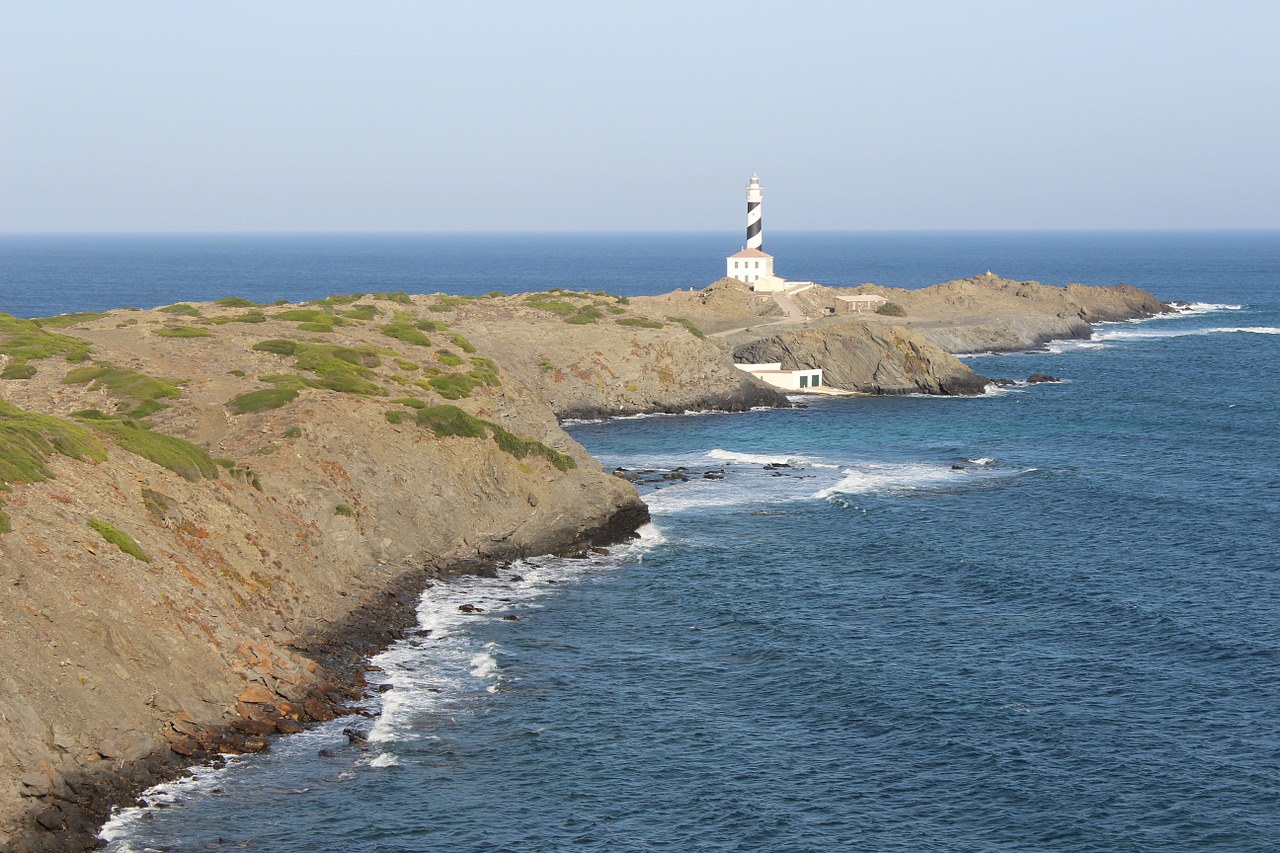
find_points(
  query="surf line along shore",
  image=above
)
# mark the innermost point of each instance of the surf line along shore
(216, 511)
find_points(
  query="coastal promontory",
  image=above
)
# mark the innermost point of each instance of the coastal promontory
(211, 513)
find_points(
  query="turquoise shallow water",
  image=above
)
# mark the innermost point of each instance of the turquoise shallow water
(1071, 642)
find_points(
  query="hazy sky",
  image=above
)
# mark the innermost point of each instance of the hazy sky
(600, 115)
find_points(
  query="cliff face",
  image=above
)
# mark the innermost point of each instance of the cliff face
(987, 313)
(208, 513)
(588, 372)
(868, 357)
(160, 605)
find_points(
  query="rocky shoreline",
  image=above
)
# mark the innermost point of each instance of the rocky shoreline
(216, 512)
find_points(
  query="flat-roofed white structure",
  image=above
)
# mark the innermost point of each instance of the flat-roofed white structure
(787, 380)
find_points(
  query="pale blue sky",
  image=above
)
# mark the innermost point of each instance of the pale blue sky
(486, 115)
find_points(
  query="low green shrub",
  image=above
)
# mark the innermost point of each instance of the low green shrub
(688, 324)
(344, 509)
(584, 315)
(394, 416)
(892, 309)
(406, 365)
(126, 385)
(431, 325)
(639, 322)
(411, 402)
(293, 432)
(263, 399)
(27, 341)
(179, 456)
(445, 421)
(363, 312)
(120, 539)
(279, 346)
(18, 370)
(182, 332)
(182, 308)
(234, 302)
(449, 359)
(555, 306)
(462, 343)
(407, 333)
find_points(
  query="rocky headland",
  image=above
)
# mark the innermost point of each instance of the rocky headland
(210, 514)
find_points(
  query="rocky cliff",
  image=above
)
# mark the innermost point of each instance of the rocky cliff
(988, 313)
(869, 357)
(210, 512)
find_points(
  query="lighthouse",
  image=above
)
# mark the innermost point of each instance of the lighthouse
(753, 265)
(755, 224)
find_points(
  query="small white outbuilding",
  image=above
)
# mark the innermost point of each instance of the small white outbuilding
(788, 380)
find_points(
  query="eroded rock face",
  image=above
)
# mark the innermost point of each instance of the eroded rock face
(868, 357)
(602, 371)
(258, 590)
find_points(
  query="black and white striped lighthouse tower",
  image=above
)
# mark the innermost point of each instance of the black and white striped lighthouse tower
(755, 228)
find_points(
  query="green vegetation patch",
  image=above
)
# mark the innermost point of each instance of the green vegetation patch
(26, 340)
(311, 316)
(892, 309)
(445, 421)
(394, 416)
(18, 370)
(344, 509)
(398, 296)
(338, 299)
(462, 343)
(28, 440)
(406, 365)
(279, 346)
(639, 322)
(448, 303)
(253, 315)
(285, 389)
(120, 539)
(181, 308)
(688, 324)
(363, 312)
(544, 302)
(234, 302)
(411, 402)
(448, 358)
(404, 332)
(178, 455)
(584, 315)
(431, 325)
(182, 332)
(126, 385)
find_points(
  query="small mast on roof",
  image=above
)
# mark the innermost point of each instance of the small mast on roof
(755, 227)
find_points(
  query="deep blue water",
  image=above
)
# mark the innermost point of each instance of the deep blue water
(1070, 644)
(42, 275)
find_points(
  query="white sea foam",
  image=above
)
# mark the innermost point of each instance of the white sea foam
(735, 457)
(1152, 334)
(385, 759)
(984, 461)
(874, 478)
(202, 779)
(1203, 308)
(435, 674)
(1059, 347)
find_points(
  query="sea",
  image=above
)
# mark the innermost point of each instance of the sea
(1043, 619)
